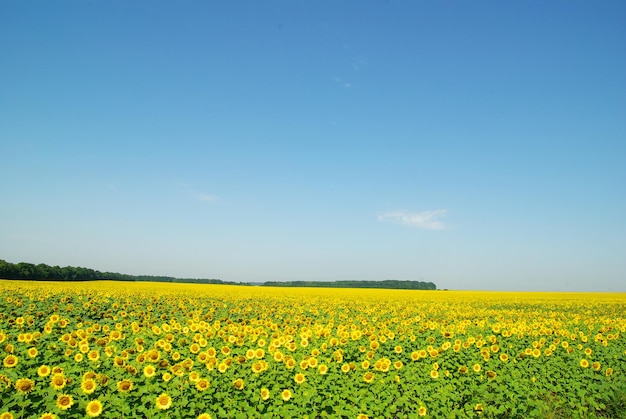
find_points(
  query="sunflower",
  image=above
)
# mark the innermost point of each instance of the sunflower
(32, 352)
(58, 381)
(265, 394)
(124, 386)
(64, 401)
(163, 402)
(48, 415)
(24, 385)
(6, 415)
(149, 371)
(368, 377)
(238, 384)
(584, 363)
(286, 395)
(93, 356)
(202, 384)
(205, 416)
(88, 386)
(322, 369)
(94, 408)
(299, 378)
(422, 411)
(345, 368)
(434, 374)
(476, 367)
(10, 361)
(491, 374)
(43, 371)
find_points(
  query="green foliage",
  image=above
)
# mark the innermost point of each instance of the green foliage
(387, 284)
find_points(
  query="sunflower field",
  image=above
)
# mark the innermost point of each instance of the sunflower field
(151, 350)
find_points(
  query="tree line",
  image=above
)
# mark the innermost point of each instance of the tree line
(43, 272)
(389, 284)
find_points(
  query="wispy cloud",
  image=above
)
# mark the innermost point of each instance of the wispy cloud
(198, 195)
(426, 220)
(204, 197)
(340, 82)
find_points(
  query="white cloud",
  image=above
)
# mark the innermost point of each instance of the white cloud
(204, 197)
(426, 220)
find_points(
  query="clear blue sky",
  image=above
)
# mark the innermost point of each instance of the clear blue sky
(474, 144)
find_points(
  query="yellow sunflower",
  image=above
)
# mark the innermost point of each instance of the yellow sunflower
(124, 386)
(88, 386)
(286, 395)
(94, 408)
(24, 385)
(58, 381)
(10, 361)
(299, 378)
(265, 394)
(163, 402)
(202, 384)
(238, 384)
(64, 401)
(43, 371)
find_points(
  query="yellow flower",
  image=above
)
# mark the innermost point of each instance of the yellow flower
(93, 356)
(48, 415)
(163, 402)
(10, 361)
(43, 371)
(299, 378)
(202, 384)
(286, 395)
(6, 415)
(422, 411)
(24, 385)
(434, 374)
(322, 369)
(94, 408)
(476, 367)
(124, 386)
(205, 416)
(584, 363)
(368, 377)
(32, 352)
(58, 381)
(88, 386)
(64, 401)
(265, 394)
(149, 371)
(238, 384)
(345, 368)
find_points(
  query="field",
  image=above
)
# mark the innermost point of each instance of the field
(150, 350)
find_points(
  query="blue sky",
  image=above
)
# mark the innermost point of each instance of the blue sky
(477, 145)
